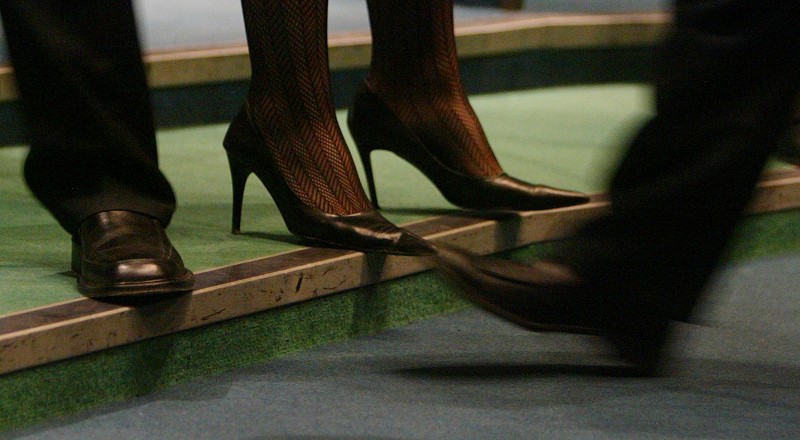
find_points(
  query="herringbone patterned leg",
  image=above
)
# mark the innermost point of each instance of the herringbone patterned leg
(415, 71)
(290, 103)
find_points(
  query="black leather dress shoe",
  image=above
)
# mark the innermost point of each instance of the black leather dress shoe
(546, 296)
(123, 253)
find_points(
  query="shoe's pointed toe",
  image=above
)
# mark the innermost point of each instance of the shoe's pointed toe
(508, 193)
(414, 245)
(366, 231)
(536, 197)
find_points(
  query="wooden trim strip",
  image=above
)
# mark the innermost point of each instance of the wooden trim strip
(237, 273)
(352, 50)
(69, 329)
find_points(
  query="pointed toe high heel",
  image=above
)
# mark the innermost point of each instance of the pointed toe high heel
(365, 231)
(374, 126)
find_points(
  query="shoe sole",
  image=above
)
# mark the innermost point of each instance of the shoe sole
(151, 288)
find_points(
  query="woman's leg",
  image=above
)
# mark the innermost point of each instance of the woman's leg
(414, 104)
(415, 70)
(290, 103)
(287, 134)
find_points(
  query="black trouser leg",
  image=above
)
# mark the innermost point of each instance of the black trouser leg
(728, 78)
(83, 90)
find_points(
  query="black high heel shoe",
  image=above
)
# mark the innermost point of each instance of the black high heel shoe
(374, 126)
(366, 231)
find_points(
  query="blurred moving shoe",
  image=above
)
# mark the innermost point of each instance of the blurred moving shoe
(550, 297)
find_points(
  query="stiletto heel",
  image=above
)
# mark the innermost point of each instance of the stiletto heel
(375, 126)
(239, 175)
(365, 231)
(366, 160)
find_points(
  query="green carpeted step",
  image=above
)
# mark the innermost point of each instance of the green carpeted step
(567, 137)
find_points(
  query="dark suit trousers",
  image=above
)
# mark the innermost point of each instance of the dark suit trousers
(724, 94)
(83, 91)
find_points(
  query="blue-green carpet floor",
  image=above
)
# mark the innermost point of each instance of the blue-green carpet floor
(733, 375)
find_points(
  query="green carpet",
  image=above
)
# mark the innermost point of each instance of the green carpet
(567, 137)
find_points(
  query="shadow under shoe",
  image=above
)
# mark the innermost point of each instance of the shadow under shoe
(374, 126)
(125, 254)
(366, 231)
(549, 297)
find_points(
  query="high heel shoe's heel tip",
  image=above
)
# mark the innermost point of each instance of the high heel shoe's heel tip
(364, 152)
(239, 175)
(373, 194)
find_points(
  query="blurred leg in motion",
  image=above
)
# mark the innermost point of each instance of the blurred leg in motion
(725, 93)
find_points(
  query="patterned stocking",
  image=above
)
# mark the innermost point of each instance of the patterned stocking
(290, 104)
(415, 71)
